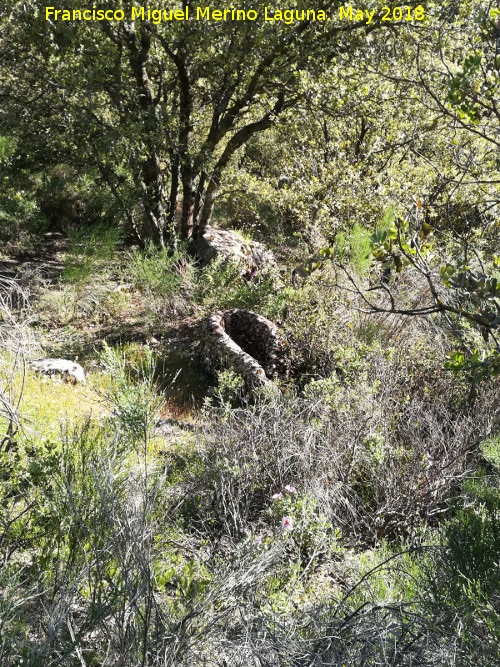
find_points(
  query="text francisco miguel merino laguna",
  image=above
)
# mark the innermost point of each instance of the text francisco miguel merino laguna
(204, 13)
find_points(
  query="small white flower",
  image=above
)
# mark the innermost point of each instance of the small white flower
(277, 496)
(290, 488)
(287, 523)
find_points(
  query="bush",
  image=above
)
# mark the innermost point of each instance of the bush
(91, 250)
(166, 278)
(382, 454)
(21, 221)
(90, 557)
(355, 248)
(131, 393)
(464, 582)
(17, 345)
(223, 285)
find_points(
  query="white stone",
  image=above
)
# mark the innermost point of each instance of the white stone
(68, 370)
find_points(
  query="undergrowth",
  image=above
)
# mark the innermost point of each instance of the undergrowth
(349, 518)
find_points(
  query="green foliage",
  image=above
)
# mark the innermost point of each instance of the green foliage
(462, 85)
(85, 289)
(132, 394)
(480, 364)
(311, 538)
(474, 285)
(90, 250)
(491, 451)
(318, 344)
(223, 284)
(230, 388)
(159, 272)
(21, 221)
(166, 278)
(355, 247)
(395, 247)
(121, 546)
(465, 586)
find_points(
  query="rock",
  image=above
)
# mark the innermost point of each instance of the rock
(68, 370)
(126, 287)
(229, 245)
(244, 341)
(170, 426)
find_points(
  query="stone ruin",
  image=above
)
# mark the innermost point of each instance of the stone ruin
(244, 341)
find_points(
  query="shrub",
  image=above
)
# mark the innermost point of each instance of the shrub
(382, 455)
(230, 388)
(165, 278)
(223, 284)
(17, 344)
(463, 583)
(21, 221)
(355, 248)
(91, 250)
(131, 393)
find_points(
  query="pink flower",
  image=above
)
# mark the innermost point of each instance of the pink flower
(290, 488)
(277, 496)
(258, 539)
(287, 523)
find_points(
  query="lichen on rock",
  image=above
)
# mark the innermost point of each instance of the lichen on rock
(70, 371)
(229, 245)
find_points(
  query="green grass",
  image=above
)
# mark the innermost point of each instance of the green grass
(356, 246)
(90, 251)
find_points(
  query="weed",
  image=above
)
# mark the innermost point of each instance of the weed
(165, 278)
(90, 251)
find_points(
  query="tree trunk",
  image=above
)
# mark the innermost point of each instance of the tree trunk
(148, 175)
(237, 140)
(174, 193)
(188, 204)
(208, 205)
(154, 215)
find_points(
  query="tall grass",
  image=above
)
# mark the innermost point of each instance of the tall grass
(166, 278)
(90, 250)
